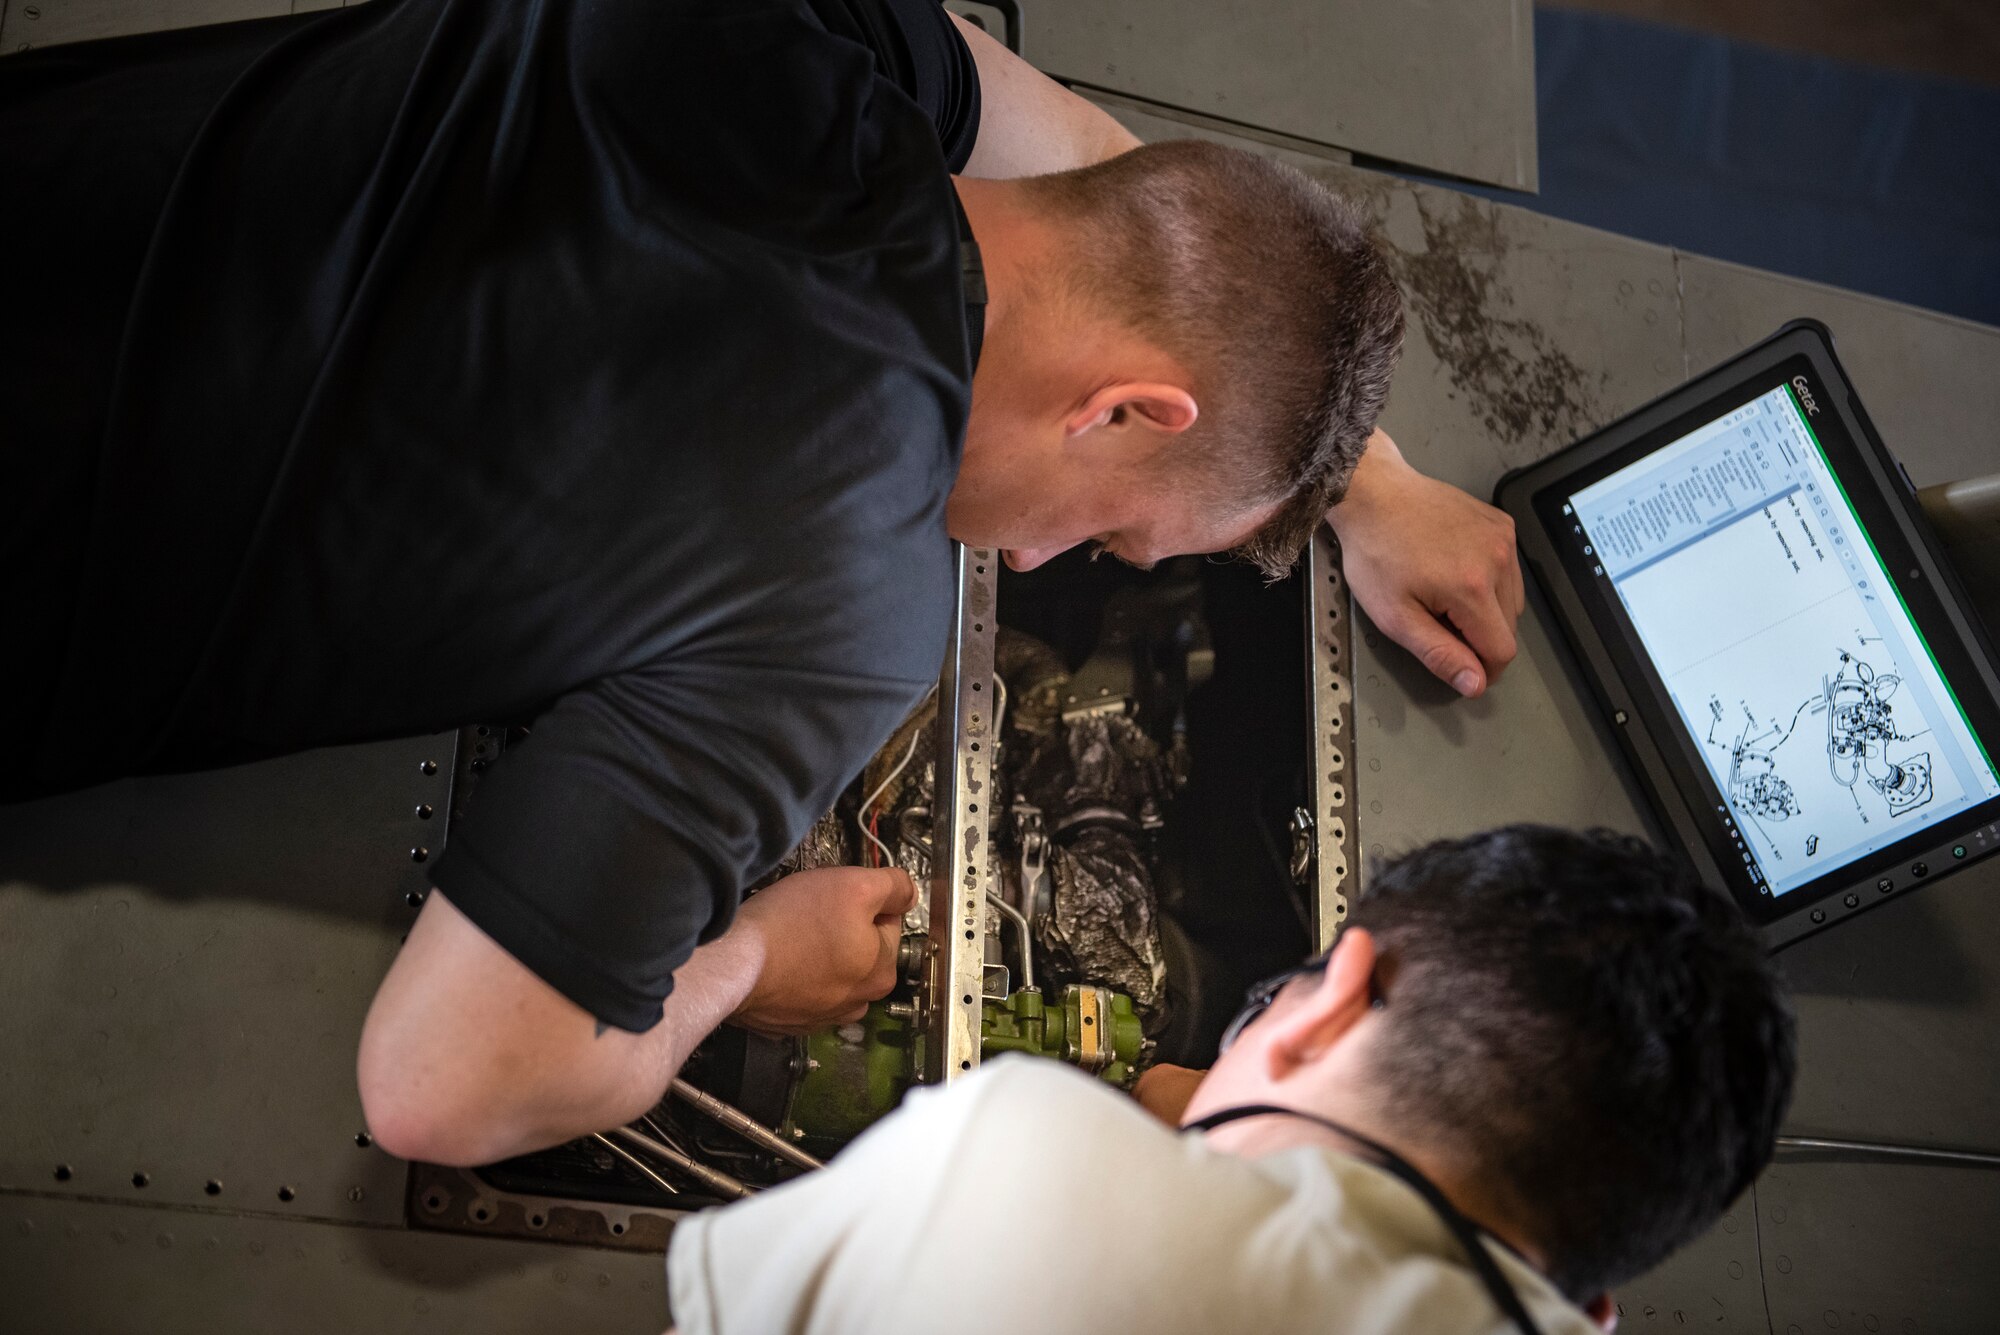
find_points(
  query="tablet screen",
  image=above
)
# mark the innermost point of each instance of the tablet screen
(1790, 656)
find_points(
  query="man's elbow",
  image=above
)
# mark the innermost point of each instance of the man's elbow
(440, 1108)
(412, 1120)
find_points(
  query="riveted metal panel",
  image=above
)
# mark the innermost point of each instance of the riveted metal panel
(1931, 382)
(1712, 1284)
(71, 1267)
(1375, 79)
(1900, 1249)
(32, 23)
(188, 960)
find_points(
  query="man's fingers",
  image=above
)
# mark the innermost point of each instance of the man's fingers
(1479, 620)
(888, 943)
(1447, 657)
(897, 893)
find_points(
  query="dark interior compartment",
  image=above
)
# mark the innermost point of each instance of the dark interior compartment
(1234, 914)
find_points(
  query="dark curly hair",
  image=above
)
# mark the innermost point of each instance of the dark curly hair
(1598, 1030)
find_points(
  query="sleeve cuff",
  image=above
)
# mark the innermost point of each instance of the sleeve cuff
(520, 929)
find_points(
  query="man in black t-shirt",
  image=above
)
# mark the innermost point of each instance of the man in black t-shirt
(612, 367)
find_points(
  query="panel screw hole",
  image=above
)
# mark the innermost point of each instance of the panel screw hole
(63, 1173)
(140, 1179)
(363, 1139)
(213, 1188)
(286, 1193)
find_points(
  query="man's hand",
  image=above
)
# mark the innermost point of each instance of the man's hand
(1434, 569)
(828, 939)
(1164, 1090)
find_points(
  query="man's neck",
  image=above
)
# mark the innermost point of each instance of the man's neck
(1006, 232)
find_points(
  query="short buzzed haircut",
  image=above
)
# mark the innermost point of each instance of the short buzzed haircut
(1599, 1033)
(1269, 288)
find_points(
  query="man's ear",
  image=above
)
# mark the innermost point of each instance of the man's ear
(1307, 1025)
(1156, 406)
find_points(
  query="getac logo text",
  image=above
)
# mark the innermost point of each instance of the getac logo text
(1805, 395)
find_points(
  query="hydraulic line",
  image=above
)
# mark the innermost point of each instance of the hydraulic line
(714, 1179)
(744, 1125)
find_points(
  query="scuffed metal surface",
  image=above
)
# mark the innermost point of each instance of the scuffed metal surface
(1516, 377)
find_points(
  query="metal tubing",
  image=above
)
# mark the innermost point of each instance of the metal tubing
(1877, 1149)
(1020, 921)
(635, 1161)
(743, 1124)
(715, 1180)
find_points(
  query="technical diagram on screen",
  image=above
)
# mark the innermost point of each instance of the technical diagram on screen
(1808, 700)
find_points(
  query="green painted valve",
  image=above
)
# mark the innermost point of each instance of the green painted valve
(857, 1073)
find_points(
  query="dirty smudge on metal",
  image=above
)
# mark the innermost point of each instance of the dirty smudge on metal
(1526, 390)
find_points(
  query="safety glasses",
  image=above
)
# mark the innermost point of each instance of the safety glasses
(1259, 998)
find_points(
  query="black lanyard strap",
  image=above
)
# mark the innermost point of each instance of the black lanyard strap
(1503, 1294)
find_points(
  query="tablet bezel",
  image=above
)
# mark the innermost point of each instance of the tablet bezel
(1638, 712)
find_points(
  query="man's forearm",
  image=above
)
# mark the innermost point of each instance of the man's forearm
(707, 990)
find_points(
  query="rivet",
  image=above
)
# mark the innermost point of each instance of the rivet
(428, 767)
(420, 855)
(425, 811)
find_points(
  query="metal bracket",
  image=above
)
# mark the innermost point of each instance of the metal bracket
(1329, 647)
(961, 871)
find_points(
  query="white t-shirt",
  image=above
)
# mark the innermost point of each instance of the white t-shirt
(1031, 1199)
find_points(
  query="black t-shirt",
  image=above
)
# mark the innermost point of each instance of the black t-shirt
(435, 361)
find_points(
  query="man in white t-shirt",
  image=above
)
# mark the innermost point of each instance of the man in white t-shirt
(1535, 1064)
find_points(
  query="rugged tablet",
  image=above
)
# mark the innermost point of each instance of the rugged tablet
(1758, 606)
